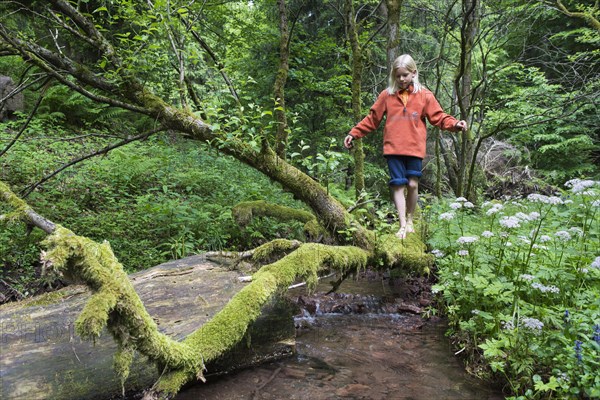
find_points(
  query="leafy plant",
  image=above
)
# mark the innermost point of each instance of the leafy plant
(519, 281)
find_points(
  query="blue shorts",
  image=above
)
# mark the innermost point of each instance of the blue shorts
(403, 167)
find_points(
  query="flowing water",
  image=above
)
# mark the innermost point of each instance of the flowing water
(372, 354)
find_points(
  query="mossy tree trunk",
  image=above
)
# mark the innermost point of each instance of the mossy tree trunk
(357, 70)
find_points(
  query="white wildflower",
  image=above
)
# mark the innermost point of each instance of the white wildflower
(555, 200)
(563, 236)
(475, 311)
(521, 216)
(596, 263)
(596, 203)
(463, 253)
(508, 325)
(510, 222)
(583, 270)
(437, 253)
(447, 216)
(467, 239)
(468, 204)
(494, 209)
(456, 273)
(532, 323)
(460, 199)
(487, 234)
(540, 198)
(455, 206)
(545, 238)
(580, 185)
(534, 215)
(527, 277)
(545, 289)
(540, 247)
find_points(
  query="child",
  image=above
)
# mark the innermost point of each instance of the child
(406, 103)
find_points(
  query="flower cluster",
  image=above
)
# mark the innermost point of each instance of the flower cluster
(596, 263)
(532, 323)
(438, 253)
(578, 344)
(580, 185)
(510, 222)
(494, 209)
(563, 236)
(540, 198)
(544, 288)
(467, 239)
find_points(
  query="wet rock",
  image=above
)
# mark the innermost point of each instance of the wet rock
(355, 390)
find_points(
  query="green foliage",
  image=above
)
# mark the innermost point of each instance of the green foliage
(156, 200)
(519, 283)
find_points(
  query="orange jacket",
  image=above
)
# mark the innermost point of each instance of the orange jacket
(405, 132)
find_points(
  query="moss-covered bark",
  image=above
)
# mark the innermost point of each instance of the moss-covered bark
(243, 213)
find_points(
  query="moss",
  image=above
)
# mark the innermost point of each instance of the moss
(114, 296)
(19, 207)
(277, 246)
(122, 364)
(244, 212)
(408, 253)
(94, 316)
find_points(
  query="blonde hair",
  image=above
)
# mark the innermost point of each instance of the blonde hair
(404, 61)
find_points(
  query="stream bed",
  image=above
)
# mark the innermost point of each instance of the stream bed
(359, 351)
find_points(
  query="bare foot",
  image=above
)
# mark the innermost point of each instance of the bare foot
(401, 234)
(410, 227)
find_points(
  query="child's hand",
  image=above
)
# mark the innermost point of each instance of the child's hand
(462, 125)
(348, 141)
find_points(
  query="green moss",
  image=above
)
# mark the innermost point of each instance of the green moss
(122, 364)
(19, 207)
(277, 246)
(244, 212)
(408, 254)
(94, 315)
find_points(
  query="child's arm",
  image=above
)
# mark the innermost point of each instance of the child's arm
(437, 117)
(371, 121)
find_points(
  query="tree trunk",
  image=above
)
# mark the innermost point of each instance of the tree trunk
(357, 68)
(43, 357)
(393, 24)
(281, 136)
(463, 86)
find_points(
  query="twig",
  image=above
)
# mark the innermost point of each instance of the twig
(273, 375)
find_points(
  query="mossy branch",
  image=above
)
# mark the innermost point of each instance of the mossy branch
(244, 212)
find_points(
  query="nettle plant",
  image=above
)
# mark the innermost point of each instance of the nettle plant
(520, 283)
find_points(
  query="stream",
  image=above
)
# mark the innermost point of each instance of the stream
(356, 345)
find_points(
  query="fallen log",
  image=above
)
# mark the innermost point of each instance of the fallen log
(43, 357)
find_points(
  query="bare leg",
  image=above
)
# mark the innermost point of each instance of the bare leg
(411, 202)
(400, 202)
